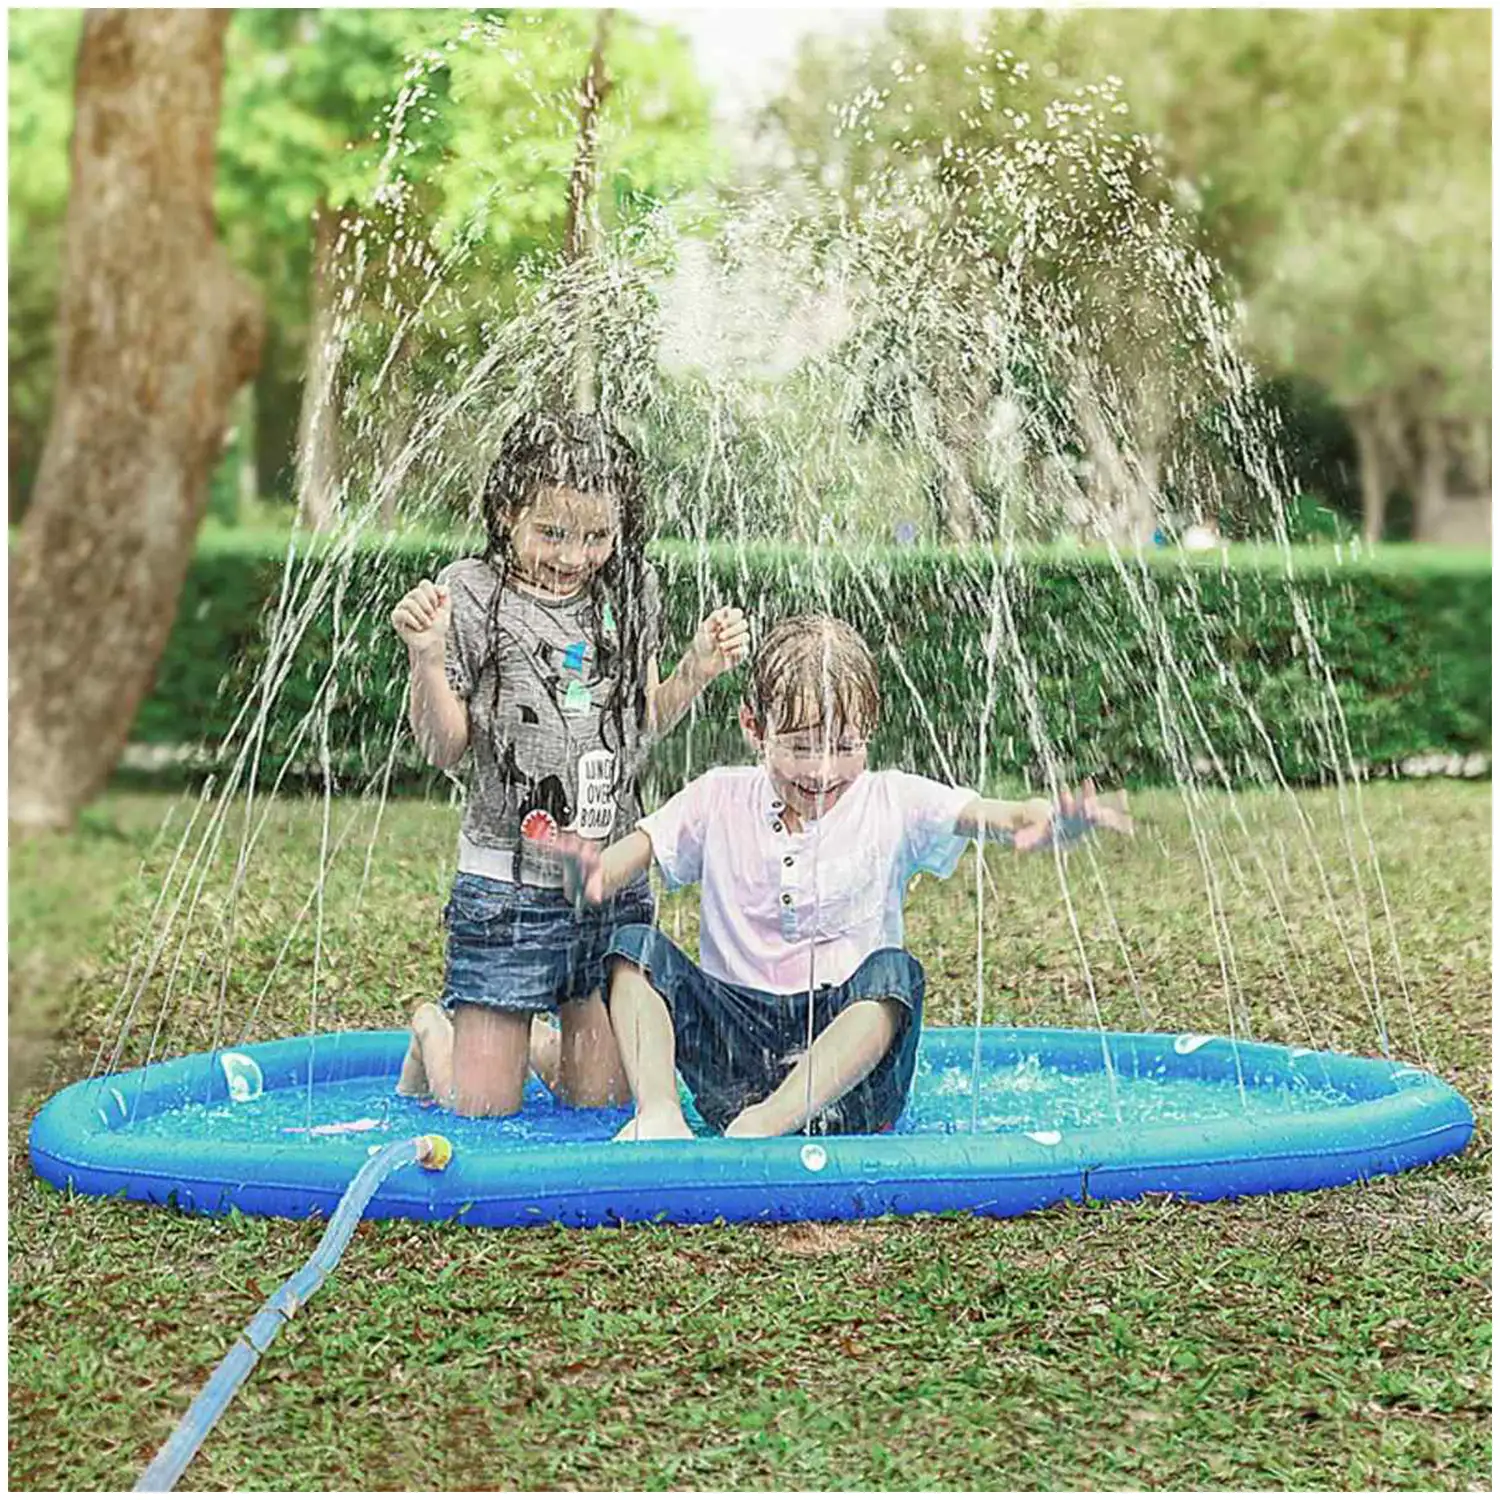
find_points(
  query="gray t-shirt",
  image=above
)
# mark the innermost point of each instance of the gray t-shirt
(543, 747)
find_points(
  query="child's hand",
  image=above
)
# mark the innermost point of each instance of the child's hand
(583, 873)
(421, 618)
(722, 642)
(1073, 817)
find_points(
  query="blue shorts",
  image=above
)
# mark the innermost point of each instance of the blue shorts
(736, 1044)
(524, 948)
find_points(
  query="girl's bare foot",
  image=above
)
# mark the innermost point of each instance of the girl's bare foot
(412, 1084)
(665, 1126)
(431, 1044)
(546, 1052)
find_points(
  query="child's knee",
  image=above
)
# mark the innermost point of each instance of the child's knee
(891, 973)
(647, 954)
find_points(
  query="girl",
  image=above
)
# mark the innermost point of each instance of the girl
(539, 660)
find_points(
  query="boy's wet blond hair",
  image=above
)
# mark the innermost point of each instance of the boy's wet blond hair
(814, 671)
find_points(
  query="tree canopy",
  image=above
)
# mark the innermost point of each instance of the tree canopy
(1334, 164)
(477, 107)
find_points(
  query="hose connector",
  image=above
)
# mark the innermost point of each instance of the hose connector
(434, 1152)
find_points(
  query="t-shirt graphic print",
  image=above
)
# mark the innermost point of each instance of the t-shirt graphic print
(538, 757)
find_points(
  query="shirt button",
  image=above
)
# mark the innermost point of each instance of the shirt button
(786, 899)
(787, 859)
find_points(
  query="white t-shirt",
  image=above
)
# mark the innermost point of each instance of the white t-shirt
(785, 911)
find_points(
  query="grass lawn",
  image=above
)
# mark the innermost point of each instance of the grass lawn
(1337, 1340)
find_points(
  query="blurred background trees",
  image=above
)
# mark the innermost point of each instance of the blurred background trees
(971, 275)
(1335, 164)
(308, 100)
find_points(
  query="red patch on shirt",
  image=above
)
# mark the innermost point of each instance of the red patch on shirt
(539, 826)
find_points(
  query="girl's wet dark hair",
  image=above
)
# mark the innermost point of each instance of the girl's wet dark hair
(580, 451)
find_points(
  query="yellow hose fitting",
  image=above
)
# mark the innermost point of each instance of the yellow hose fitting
(434, 1152)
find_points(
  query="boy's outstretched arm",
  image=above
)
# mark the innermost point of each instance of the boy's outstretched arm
(996, 819)
(1035, 823)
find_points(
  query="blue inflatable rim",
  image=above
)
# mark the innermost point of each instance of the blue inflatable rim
(1396, 1117)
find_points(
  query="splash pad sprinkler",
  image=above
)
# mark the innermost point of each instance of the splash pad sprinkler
(888, 320)
(1062, 1115)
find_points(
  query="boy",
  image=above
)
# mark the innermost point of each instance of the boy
(805, 1009)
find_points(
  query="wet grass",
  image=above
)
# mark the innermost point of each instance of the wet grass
(1337, 1340)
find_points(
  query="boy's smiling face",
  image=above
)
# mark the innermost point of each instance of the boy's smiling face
(811, 704)
(811, 766)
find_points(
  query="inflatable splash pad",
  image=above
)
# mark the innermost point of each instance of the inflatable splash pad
(1000, 1121)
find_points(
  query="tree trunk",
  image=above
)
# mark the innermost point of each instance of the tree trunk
(961, 428)
(400, 419)
(155, 335)
(581, 226)
(959, 514)
(592, 92)
(318, 457)
(1430, 499)
(1372, 480)
(1121, 500)
(247, 484)
(1478, 475)
(956, 420)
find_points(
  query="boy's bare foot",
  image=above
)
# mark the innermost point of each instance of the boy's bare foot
(667, 1126)
(749, 1124)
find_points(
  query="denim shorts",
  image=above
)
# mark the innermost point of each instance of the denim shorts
(524, 947)
(736, 1044)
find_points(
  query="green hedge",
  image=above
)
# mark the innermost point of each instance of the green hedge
(1136, 669)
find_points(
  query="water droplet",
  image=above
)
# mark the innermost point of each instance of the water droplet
(1045, 1137)
(1190, 1041)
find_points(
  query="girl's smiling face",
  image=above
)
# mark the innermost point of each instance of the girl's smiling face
(561, 540)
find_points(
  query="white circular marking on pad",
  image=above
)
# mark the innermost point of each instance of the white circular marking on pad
(814, 1157)
(1190, 1041)
(242, 1074)
(1045, 1137)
